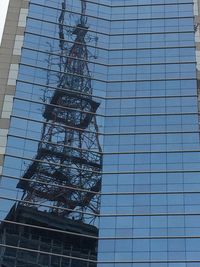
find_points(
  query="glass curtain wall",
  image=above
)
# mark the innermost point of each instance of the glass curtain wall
(50, 189)
(102, 164)
(150, 200)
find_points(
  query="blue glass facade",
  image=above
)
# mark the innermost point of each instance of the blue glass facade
(126, 72)
(150, 206)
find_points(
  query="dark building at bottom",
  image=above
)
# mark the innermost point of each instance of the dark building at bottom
(44, 237)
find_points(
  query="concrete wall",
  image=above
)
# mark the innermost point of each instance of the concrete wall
(10, 51)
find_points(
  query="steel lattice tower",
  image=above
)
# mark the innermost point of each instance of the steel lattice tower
(61, 186)
(69, 154)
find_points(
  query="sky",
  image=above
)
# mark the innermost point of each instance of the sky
(3, 10)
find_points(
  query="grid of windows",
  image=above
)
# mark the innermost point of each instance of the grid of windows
(141, 67)
(150, 173)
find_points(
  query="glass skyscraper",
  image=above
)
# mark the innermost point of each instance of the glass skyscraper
(102, 160)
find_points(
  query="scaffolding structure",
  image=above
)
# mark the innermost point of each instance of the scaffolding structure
(61, 186)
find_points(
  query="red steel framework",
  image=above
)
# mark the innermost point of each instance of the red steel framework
(62, 184)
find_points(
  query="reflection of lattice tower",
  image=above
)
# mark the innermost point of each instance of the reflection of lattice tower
(65, 173)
